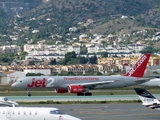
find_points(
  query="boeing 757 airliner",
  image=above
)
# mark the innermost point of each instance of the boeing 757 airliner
(82, 84)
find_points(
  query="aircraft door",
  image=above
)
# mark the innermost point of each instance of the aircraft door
(8, 114)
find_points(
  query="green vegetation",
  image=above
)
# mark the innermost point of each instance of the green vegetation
(82, 102)
(7, 58)
(64, 14)
(71, 58)
(150, 49)
(4, 20)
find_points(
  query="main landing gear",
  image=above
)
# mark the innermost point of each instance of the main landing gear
(87, 93)
(84, 94)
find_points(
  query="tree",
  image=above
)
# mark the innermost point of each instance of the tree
(82, 60)
(104, 54)
(5, 59)
(93, 59)
(91, 71)
(34, 74)
(53, 62)
(99, 73)
(69, 56)
(62, 62)
(31, 62)
(83, 50)
(70, 73)
(148, 49)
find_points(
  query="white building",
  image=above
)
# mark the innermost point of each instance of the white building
(44, 71)
(12, 76)
(35, 31)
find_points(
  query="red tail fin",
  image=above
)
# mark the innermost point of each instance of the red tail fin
(138, 69)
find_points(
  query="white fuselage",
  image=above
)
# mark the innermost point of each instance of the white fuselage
(65, 81)
(33, 113)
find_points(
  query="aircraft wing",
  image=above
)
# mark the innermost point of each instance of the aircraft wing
(94, 84)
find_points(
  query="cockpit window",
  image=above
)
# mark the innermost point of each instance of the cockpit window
(5, 99)
(56, 112)
(19, 81)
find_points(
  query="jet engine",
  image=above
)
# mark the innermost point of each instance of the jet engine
(76, 89)
(60, 90)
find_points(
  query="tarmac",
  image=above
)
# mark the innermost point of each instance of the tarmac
(106, 111)
(126, 111)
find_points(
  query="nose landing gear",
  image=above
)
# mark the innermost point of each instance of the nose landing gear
(28, 92)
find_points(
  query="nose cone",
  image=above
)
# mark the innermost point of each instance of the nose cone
(14, 85)
(18, 84)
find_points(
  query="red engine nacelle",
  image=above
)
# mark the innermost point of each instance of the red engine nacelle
(60, 90)
(76, 89)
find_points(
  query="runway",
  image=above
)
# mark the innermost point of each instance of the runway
(129, 111)
(107, 111)
(76, 98)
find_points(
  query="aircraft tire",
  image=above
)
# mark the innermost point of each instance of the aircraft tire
(88, 94)
(80, 94)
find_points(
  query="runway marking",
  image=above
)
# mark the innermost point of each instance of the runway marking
(84, 112)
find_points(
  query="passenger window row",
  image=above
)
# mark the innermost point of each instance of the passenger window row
(9, 112)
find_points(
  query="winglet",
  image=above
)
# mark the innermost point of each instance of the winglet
(147, 98)
(139, 68)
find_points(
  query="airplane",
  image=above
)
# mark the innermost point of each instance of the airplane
(7, 102)
(148, 100)
(81, 85)
(36, 113)
(152, 83)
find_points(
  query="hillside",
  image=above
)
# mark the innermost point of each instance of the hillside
(6, 27)
(68, 13)
(14, 7)
(150, 17)
(57, 16)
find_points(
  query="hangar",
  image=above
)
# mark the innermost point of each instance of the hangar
(3, 78)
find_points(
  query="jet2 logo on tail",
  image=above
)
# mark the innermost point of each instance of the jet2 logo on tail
(136, 66)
